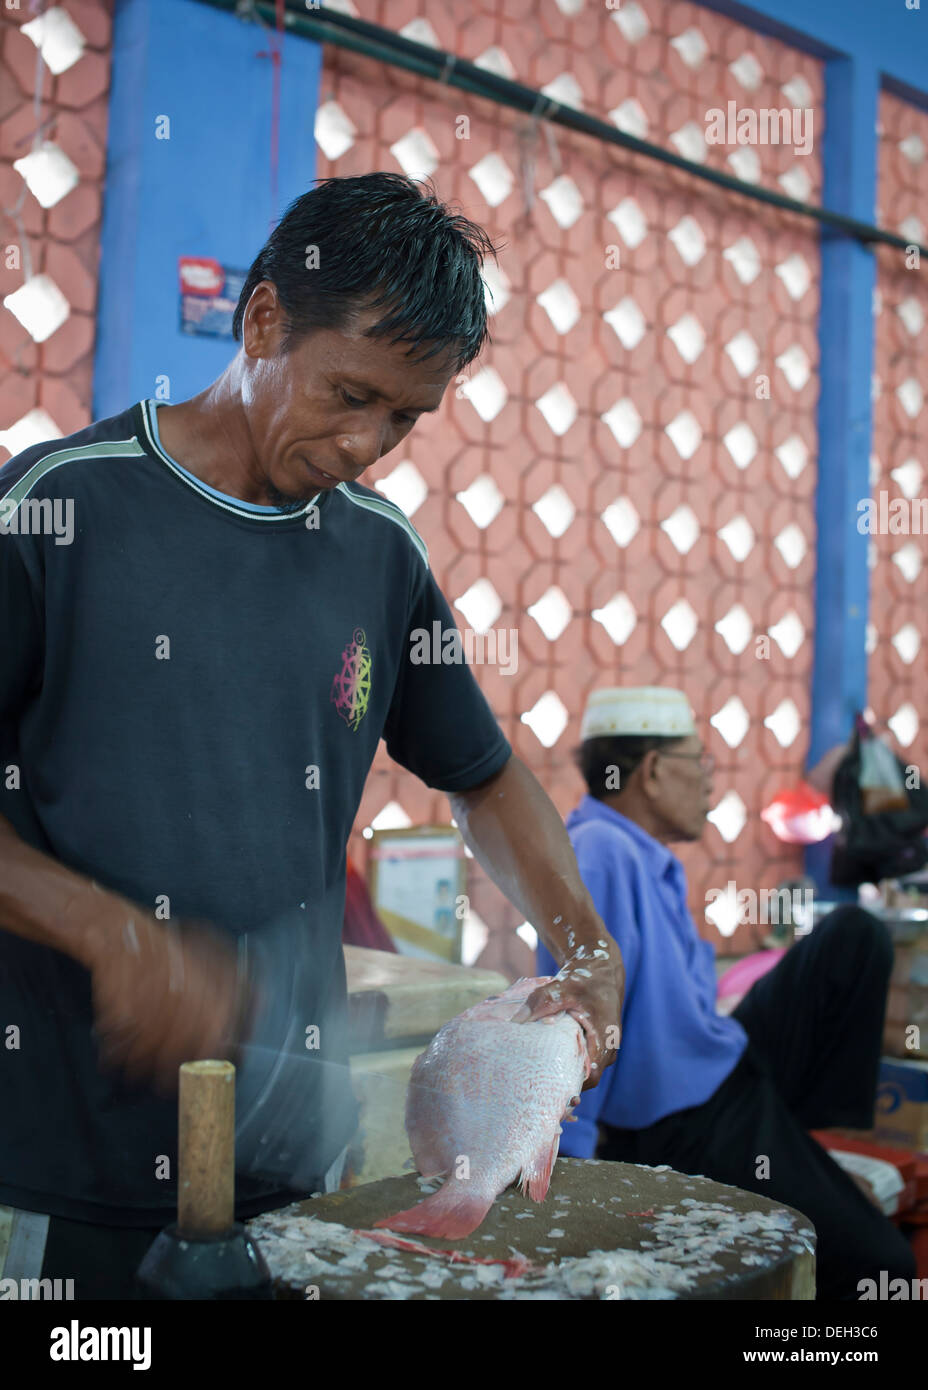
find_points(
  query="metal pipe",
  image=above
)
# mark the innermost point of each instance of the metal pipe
(373, 41)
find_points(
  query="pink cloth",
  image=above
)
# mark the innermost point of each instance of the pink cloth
(738, 979)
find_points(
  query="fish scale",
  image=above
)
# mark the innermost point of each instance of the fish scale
(484, 1107)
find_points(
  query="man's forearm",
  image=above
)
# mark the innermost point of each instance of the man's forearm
(515, 833)
(44, 901)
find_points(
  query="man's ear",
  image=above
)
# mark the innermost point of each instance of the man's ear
(262, 321)
(647, 769)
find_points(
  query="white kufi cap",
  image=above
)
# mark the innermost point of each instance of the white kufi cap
(643, 710)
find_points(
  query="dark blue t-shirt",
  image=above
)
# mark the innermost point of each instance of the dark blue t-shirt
(192, 690)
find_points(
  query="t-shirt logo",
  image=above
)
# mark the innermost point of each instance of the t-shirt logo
(351, 688)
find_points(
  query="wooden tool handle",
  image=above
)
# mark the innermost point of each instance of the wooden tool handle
(206, 1149)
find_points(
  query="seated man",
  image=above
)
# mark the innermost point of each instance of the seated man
(706, 1094)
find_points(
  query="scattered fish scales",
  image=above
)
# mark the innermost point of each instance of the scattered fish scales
(678, 1257)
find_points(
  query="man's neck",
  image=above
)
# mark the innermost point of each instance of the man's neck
(641, 814)
(207, 435)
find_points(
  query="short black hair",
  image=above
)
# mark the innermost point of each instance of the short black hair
(379, 239)
(599, 758)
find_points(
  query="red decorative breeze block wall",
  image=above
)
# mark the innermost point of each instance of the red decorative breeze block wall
(607, 482)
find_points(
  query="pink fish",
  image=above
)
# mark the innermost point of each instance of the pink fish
(484, 1107)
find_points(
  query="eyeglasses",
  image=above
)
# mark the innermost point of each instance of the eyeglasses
(706, 760)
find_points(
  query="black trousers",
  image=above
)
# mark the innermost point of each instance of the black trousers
(815, 1027)
(100, 1259)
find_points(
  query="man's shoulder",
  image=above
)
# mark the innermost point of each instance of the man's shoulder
(379, 511)
(57, 460)
(607, 844)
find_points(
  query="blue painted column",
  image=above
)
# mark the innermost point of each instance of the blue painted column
(845, 421)
(188, 174)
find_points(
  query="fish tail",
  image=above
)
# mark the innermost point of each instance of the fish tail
(453, 1211)
(536, 1175)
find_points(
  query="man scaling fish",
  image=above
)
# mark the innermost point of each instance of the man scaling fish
(191, 697)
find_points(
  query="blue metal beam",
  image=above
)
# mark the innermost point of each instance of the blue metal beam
(845, 419)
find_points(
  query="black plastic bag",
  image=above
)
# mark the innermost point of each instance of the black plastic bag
(884, 844)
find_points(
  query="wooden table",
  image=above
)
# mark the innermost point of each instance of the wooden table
(661, 1234)
(394, 998)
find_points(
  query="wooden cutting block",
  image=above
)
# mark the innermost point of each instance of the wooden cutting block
(606, 1231)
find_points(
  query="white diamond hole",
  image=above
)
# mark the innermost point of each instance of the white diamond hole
(908, 561)
(552, 612)
(688, 337)
(687, 236)
(624, 422)
(732, 721)
(680, 624)
(555, 510)
(741, 443)
(743, 352)
(481, 605)
(417, 154)
(788, 633)
(735, 628)
(494, 178)
(547, 719)
(564, 201)
(907, 643)
(621, 521)
(627, 322)
(629, 221)
(405, 486)
(792, 545)
(684, 433)
(683, 529)
(793, 456)
(486, 392)
(729, 817)
(738, 535)
(559, 408)
(561, 305)
(904, 724)
(784, 723)
(482, 501)
(618, 618)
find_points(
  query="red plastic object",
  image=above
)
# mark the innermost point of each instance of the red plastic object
(800, 815)
(905, 1160)
(921, 1178)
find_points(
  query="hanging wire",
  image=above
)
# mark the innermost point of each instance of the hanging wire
(528, 145)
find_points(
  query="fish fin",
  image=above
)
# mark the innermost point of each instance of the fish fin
(536, 1175)
(453, 1211)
